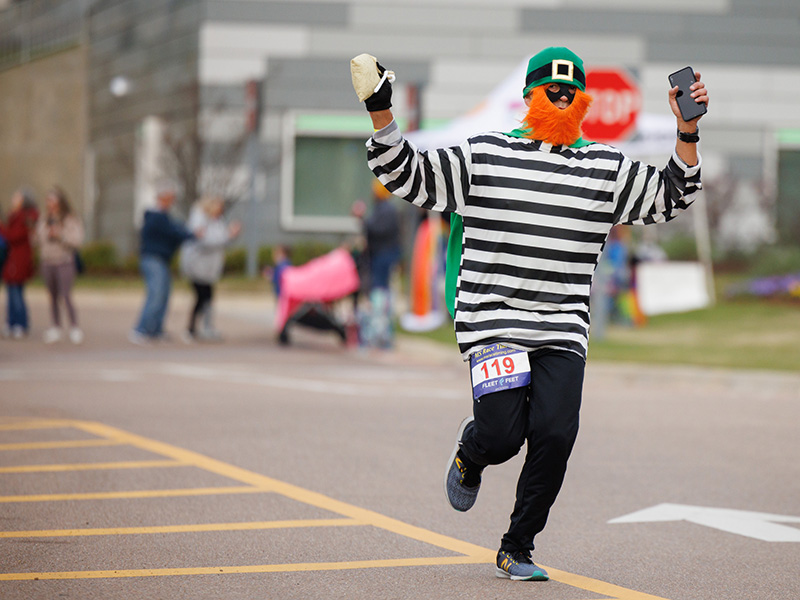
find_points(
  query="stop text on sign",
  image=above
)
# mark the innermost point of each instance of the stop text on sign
(615, 107)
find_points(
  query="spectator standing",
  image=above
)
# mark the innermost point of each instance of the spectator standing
(203, 260)
(161, 236)
(18, 267)
(358, 250)
(281, 258)
(382, 232)
(59, 235)
(3, 249)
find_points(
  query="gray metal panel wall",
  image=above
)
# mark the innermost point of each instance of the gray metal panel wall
(317, 83)
(753, 32)
(329, 14)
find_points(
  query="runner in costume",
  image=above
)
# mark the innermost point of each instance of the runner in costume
(532, 211)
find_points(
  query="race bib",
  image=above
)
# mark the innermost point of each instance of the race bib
(497, 368)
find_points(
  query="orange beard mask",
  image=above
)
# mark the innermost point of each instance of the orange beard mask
(556, 126)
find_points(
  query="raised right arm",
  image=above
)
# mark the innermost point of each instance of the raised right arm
(436, 180)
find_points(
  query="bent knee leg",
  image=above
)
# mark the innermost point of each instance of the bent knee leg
(499, 451)
(500, 428)
(494, 442)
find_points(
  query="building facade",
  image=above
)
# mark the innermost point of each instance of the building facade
(176, 71)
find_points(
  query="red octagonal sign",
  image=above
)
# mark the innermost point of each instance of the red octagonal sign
(616, 105)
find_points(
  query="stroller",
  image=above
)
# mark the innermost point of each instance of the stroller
(309, 291)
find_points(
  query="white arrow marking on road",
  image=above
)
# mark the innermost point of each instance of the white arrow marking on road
(760, 526)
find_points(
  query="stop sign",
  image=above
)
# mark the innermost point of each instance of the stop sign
(616, 105)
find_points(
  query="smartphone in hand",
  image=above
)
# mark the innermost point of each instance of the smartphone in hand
(688, 107)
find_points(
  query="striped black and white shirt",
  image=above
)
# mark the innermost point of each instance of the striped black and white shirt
(536, 218)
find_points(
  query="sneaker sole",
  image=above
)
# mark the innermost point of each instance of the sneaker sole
(461, 429)
(503, 574)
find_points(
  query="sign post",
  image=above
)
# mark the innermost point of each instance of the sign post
(252, 119)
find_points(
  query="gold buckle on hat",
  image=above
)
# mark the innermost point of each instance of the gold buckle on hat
(570, 66)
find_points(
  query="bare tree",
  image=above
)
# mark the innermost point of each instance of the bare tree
(204, 162)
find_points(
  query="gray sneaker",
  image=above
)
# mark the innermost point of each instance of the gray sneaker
(459, 495)
(518, 566)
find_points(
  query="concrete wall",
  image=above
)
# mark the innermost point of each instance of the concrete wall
(153, 46)
(43, 126)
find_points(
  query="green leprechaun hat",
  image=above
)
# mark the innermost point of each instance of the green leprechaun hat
(555, 65)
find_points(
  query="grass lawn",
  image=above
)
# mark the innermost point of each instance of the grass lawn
(740, 334)
(744, 334)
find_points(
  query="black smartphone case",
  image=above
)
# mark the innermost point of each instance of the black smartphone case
(688, 107)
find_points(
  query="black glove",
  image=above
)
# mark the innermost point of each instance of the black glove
(382, 99)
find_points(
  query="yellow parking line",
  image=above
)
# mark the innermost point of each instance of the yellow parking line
(59, 445)
(586, 584)
(285, 489)
(283, 568)
(128, 464)
(254, 482)
(194, 528)
(133, 494)
(25, 425)
(598, 587)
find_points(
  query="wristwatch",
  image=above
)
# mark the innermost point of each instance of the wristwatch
(689, 138)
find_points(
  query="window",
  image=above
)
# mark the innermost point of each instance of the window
(324, 171)
(788, 198)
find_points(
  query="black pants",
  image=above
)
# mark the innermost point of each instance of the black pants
(203, 293)
(545, 414)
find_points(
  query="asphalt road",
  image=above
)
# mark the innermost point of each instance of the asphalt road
(245, 470)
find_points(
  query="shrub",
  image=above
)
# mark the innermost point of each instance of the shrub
(236, 258)
(235, 261)
(265, 257)
(775, 260)
(100, 257)
(680, 247)
(130, 265)
(302, 253)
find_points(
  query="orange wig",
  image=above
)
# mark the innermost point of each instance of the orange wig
(545, 121)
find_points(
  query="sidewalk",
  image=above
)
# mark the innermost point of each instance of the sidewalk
(244, 318)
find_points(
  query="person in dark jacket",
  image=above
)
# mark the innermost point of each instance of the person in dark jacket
(18, 267)
(161, 236)
(381, 230)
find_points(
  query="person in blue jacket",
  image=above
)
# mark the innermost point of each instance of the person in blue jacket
(161, 236)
